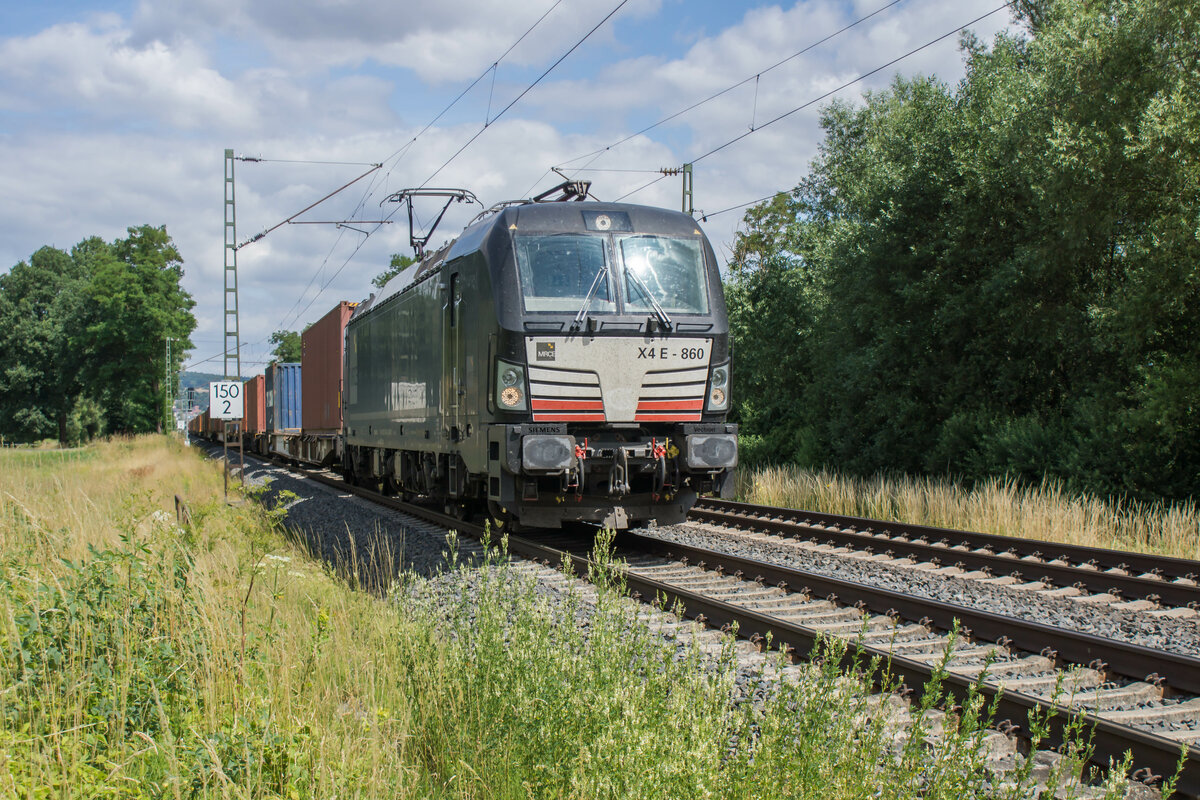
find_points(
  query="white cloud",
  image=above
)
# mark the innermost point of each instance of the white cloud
(97, 71)
(94, 74)
(440, 41)
(772, 157)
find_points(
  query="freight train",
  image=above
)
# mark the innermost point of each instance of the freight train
(557, 362)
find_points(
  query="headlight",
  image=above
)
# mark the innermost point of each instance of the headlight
(718, 395)
(711, 451)
(510, 387)
(540, 453)
(510, 397)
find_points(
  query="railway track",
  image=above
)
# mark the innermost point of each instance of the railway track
(1140, 699)
(1090, 574)
(1133, 698)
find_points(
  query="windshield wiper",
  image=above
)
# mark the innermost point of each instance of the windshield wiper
(658, 310)
(601, 275)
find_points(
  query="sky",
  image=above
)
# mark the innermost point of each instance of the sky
(118, 114)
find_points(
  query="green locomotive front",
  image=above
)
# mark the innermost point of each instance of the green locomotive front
(558, 362)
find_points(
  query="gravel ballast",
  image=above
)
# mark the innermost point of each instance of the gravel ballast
(1173, 635)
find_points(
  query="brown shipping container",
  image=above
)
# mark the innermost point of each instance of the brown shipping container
(256, 405)
(321, 371)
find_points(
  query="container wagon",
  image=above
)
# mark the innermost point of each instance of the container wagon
(283, 397)
(321, 379)
(254, 424)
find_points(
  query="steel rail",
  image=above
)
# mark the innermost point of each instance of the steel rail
(860, 534)
(1181, 673)
(1109, 740)
(1154, 755)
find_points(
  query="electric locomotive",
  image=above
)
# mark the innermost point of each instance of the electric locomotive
(558, 362)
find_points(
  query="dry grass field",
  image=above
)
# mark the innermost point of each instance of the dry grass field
(998, 506)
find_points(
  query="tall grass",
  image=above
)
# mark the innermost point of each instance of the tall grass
(142, 659)
(1000, 505)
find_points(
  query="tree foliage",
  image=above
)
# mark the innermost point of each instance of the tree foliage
(83, 337)
(397, 265)
(288, 346)
(1000, 276)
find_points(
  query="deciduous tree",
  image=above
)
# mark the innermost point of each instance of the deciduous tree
(83, 337)
(1000, 276)
(288, 346)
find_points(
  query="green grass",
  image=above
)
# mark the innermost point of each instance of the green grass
(20, 457)
(140, 659)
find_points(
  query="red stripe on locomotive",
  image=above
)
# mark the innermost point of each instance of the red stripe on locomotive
(541, 404)
(671, 405)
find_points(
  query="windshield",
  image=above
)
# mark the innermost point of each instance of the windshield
(558, 270)
(671, 270)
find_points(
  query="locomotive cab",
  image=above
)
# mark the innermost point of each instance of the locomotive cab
(611, 376)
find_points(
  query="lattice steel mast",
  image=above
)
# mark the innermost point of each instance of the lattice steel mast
(233, 357)
(233, 348)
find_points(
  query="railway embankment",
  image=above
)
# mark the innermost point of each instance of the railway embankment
(205, 649)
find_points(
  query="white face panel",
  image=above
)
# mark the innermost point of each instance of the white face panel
(610, 379)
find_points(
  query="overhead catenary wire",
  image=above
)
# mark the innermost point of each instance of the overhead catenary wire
(459, 152)
(605, 169)
(850, 83)
(260, 160)
(1072, 96)
(640, 188)
(526, 91)
(399, 154)
(705, 216)
(309, 207)
(395, 158)
(834, 91)
(473, 84)
(594, 154)
(206, 360)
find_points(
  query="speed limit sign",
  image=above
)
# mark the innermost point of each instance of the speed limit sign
(225, 400)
